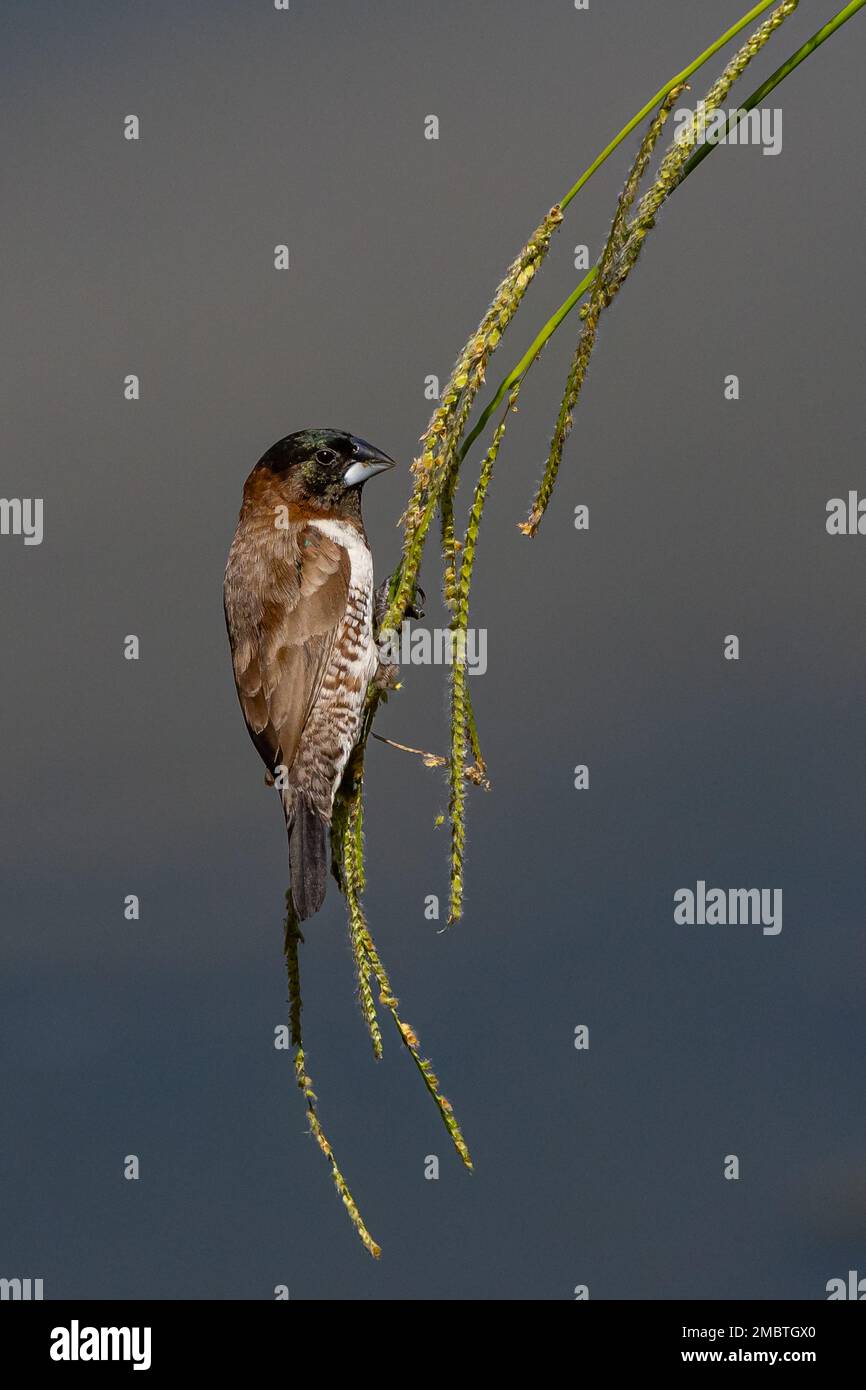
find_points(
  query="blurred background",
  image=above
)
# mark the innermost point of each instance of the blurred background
(707, 517)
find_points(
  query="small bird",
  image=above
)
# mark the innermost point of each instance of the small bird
(299, 606)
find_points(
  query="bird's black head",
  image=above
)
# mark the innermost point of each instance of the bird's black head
(325, 468)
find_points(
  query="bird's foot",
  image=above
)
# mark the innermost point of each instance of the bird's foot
(416, 607)
(380, 603)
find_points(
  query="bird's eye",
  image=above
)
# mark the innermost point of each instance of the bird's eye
(325, 455)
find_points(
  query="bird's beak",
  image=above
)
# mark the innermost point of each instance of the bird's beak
(366, 463)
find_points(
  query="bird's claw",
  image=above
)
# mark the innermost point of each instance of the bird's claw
(415, 609)
(380, 603)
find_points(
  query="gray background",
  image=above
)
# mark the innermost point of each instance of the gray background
(707, 517)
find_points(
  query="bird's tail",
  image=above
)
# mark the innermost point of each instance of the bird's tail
(308, 855)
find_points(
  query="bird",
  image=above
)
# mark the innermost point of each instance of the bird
(300, 610)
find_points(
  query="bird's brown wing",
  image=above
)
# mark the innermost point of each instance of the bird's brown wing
(280, 660)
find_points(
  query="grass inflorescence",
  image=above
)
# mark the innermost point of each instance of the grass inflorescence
(445, 446)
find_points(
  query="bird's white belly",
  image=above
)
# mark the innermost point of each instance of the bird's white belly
(354, 658)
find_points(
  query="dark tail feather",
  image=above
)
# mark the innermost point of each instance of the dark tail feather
(308, 858)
